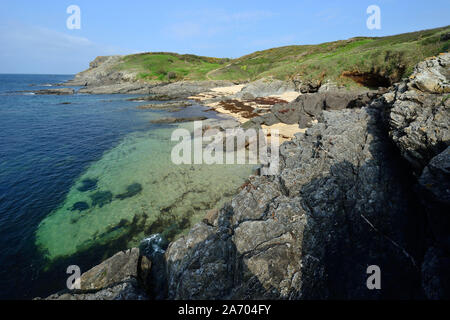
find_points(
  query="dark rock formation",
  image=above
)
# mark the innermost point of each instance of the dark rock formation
(309, 107)
(132, 190)
(55, 91)
(419, 120)
(339, 205)
(88, 184)
(101, 198)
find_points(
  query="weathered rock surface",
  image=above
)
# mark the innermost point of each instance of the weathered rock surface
(344, 200)
(121, 277)
(118, 88)
(432, 75)
(306, 86)
(367, 184)
(309, 107)
(419, 120)
(338, 204)
(102, 72)
(264, 88)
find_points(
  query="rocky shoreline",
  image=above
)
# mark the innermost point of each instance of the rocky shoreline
(367, 182)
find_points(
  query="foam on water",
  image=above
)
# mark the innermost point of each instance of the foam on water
(136, 190)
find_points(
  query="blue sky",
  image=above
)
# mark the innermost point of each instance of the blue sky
(34, 37)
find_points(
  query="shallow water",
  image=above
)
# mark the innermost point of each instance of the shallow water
(84, 176)
(136, 184)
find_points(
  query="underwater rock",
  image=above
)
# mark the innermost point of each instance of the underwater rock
(132, 190)
(80, 206)
(101, 198)
(88, 184)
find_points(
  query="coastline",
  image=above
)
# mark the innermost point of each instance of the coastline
(351, 159)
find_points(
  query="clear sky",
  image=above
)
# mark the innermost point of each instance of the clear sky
(34, 37)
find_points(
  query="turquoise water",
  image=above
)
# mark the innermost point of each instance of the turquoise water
(80, 181)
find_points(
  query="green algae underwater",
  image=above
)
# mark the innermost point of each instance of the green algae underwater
(134, 191)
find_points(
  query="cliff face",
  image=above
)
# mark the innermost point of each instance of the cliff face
(363, 187)
(102, 71)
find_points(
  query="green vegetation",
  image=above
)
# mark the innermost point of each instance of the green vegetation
(164, 66)
(346, 61)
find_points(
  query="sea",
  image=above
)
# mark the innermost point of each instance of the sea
(85, 176)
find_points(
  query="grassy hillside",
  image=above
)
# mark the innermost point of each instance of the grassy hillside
(170, 66)
(361, 60)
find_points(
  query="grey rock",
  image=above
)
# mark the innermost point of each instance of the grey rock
(419, 120)
(128, 290)
(121, 277)
(306, 86)
(118, 88)
(309, 107)
(55, 91)
(264, 88)
(433, 75)
(337, 204)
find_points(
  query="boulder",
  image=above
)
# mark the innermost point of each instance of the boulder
(309, 107)
(264, 88)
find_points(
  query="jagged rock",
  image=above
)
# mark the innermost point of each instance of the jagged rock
(339, 204)
(118, 88)
(102, 72)
(55, 91)
(435, 192)
(121, 277)
(306, 86)
(433, 75)
(419, 120)
(128, 290)
(435, 274)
